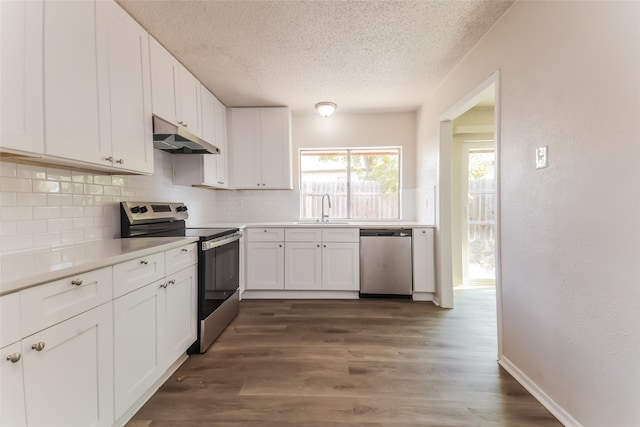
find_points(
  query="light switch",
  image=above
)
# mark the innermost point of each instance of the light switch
(542, 157)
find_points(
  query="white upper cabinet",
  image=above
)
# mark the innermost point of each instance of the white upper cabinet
(71, 93)
(261, 148)
(21, 120)
(208, 169)
(220, 118)
(125, 74)
(175, 91)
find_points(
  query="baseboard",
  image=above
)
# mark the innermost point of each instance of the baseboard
(436, 300)
(556, 410)
(423, 296)
(250, 294)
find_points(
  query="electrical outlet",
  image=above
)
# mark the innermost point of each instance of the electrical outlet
(542, 157)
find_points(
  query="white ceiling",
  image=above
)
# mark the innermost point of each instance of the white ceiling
(366, 56)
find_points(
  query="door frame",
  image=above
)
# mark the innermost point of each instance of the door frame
(444, 258)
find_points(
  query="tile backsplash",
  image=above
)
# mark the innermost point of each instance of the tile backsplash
(46, 206)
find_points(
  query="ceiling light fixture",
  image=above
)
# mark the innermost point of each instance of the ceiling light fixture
(326, 108)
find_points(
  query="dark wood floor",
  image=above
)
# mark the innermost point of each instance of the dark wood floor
(344, 363)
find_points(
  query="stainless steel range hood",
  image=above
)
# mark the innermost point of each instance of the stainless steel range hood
(178, 140)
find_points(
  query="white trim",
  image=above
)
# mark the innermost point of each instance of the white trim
(436, 300)
(444, 294)
(249, 294)
(556, 410)
(422, 296)
(462, 129)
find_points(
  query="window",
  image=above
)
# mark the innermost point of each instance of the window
(363, 183)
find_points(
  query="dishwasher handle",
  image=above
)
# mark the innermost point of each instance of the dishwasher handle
(376, 232)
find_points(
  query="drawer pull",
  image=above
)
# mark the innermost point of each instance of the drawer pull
(14, 358)
(185, 250)
(172, 282)
(144, 262)
(76, 282)
(164, 286)
(121, 161)
(39, 346)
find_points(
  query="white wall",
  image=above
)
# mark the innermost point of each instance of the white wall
(42, 207)
(571, 232)
(315, 131)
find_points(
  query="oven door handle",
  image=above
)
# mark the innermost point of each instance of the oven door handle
(216, 243)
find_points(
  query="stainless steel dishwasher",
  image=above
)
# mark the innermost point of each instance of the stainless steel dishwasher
(385, 262)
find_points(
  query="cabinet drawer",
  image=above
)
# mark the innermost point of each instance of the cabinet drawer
(51, 303)
(341, 235)
(180, 258)
(131, 275)
(303, 234)
(265, 234)
(9, 319)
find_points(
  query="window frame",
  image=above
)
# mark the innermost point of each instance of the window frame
(348, 151)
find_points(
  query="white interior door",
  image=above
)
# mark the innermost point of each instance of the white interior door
(479, 219)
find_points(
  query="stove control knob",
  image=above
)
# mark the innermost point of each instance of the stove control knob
(135, 209)
(179, 209)
(143, 209)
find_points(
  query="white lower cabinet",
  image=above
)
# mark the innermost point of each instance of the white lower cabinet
(180, 314)
(138, 324)
(303, 261)
(423, 260)
(265, 266)
(340, 266)
(13, 410)
(311, 259)
(68, 372)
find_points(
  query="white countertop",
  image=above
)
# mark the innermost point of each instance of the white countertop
(22, 270)
(312, 223)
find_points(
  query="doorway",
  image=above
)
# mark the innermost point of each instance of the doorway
(457, 131)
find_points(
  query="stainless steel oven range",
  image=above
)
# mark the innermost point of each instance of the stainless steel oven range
(218, 261)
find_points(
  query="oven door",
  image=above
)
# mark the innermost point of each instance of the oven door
(220, 272)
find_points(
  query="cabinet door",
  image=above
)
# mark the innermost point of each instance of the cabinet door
(21, 118)
(12, 405)
(245, 148)
(163, 77)
(69, 382)
(73, 129)
(423, 260)
(341, 266)
(275, 148)
(302, 263)
(123, 48)
(138, 319)
(220, 117)
(189, 101)
(208, 107)
(265, 265)
(181, 317)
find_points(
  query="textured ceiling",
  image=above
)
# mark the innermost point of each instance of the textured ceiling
(366, 56)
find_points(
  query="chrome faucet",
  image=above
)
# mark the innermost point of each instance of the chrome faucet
(325, 217)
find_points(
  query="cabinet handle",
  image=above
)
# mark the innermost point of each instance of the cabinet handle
(424, 232)
(324, 246)
(185, 250)
(172, 282)
(121, 161)
(164, 285)
(14, 358)
(39, 346)
(76, 282)
(318, 246)
(264, 185)
(109, 159)
(279, 246)
(144, 261)
(220, 182)
(265, 231)
(258, 184)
